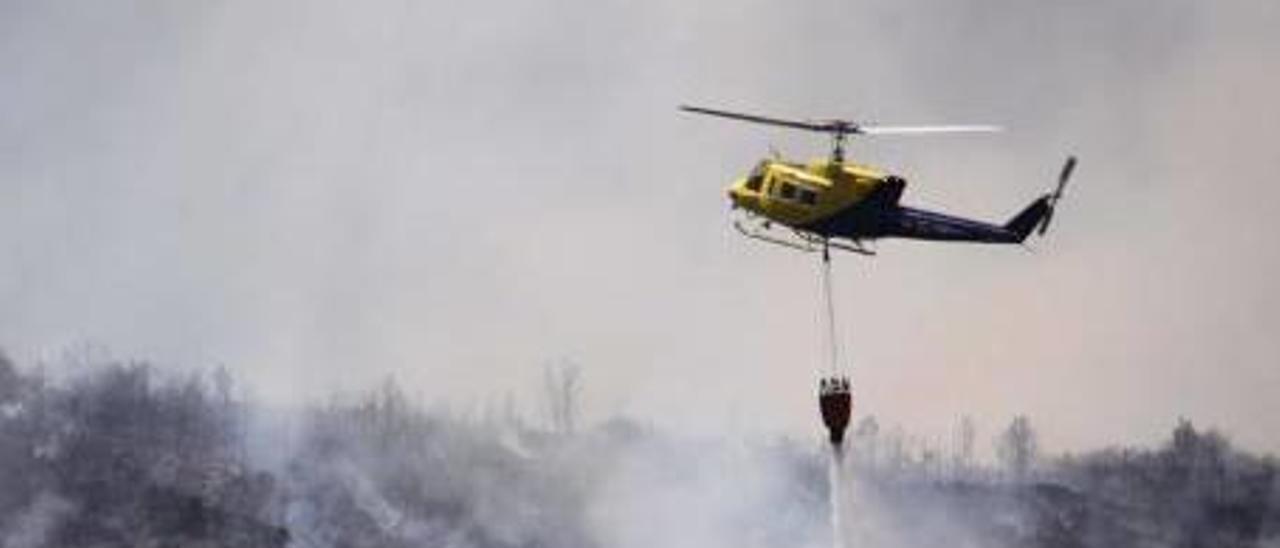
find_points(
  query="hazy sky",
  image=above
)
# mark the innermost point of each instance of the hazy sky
(323, 194)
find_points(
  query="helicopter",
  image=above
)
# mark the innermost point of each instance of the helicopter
(831, 203)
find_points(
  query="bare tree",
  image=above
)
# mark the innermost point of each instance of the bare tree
(1017, 447)
(562, 388)
(9, 379)
(964, 437)
(895, 451)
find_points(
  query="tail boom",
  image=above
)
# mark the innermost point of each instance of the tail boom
(1025, 222)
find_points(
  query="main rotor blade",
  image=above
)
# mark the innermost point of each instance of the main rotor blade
(795, 124)
(924, 130)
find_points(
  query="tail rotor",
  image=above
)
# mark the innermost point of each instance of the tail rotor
(1063, 176)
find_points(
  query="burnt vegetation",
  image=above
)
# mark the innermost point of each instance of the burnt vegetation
(1195, 490)
(123, 454)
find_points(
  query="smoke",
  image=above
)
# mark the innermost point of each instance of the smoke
(122, 454)
(293, 188)
(324, 193)
(698, 493)
(31, 527)
(125, 454)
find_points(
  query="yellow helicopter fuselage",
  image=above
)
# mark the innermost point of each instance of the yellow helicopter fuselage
(799, 195)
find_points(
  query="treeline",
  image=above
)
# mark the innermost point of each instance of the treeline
(124, 454)
(115, 458)
(1194, 490)
(128, 455)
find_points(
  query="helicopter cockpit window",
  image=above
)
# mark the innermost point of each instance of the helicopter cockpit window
(808, 197)
(756, 179)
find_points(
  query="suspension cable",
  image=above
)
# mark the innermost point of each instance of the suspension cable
(833, 343)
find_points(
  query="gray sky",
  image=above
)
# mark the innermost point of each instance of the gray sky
(322, 194)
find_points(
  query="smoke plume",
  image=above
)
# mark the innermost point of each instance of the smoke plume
(122, 454)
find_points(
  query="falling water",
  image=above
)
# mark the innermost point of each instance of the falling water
(836, 491)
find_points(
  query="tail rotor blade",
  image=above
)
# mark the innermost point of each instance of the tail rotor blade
(1067, 168)
(1044, 225)
(1063, 176)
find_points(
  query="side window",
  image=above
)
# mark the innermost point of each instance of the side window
(808, 197)
(788, 191)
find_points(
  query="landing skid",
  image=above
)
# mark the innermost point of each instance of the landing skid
(807, 243)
